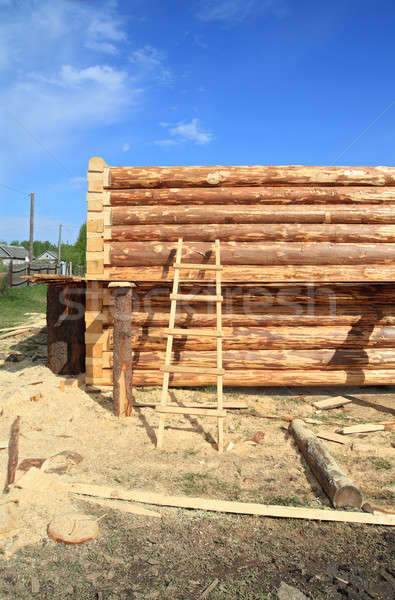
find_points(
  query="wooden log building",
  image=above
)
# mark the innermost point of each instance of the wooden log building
(308, 278)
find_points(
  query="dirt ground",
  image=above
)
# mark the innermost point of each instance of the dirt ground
(178, 556)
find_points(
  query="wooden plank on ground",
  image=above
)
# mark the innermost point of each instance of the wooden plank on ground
(331, 437)
(328, 403)
(195, 410)
(367, 428)
(122, 506)
(244, 508)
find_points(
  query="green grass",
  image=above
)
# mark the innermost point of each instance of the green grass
(18, 301)
(380, 463)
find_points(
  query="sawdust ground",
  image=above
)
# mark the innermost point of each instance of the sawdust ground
(122, 451)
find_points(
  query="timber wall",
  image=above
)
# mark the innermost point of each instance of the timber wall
(308, 255)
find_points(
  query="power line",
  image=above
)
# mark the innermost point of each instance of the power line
(14, 189)
(38, 141)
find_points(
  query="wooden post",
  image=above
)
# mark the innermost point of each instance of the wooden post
(13, 453)
(122, 364)
(31, 227)
(340, 489)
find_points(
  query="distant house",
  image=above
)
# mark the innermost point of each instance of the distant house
(16, 254)
(48, 255)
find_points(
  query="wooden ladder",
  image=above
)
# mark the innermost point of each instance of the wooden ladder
(164, 408)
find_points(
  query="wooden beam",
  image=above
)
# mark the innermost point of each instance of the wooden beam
(230, 176)
(338, 486)
(244, 508)
(123, 369)
(284, 196)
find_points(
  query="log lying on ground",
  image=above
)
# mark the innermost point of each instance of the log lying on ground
(244, 253)
(229, 176)
(279, 195)
(244, 508)
(13, 453)
(338, 486)
(261, 274)
(333, 359)
(254, 214)
(268, 377)
(255, 233)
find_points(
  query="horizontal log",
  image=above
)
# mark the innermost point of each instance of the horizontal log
(299, 315)
(257, 274)
(328, 358)
(228, 176)
(264, 338)
(277, 195)
(131, 254)
(270, 295)
(255, 213)
(299, 232)
(252, 378)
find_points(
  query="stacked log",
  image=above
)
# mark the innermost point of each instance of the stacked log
(280, 228)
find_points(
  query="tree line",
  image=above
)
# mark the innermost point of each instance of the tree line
(75, 253)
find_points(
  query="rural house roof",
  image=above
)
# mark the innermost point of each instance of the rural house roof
(18, 252)
(50, 252)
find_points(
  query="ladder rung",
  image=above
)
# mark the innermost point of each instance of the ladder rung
(205, 267)
(196, 298)
(202, 370)
(196, 332)
(191, 410)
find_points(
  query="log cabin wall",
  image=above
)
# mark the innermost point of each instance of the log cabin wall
(309, 261)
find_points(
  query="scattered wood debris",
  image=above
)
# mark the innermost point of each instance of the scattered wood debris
(15, 357)
(209, 589)
(331, 437)
(28, 463)
(338, 486)
(73, 528)
(36, 397)
(329, 403)
(367, 428)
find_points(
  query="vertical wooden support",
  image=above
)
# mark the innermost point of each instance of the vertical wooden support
(99, 213)
(94, 332)
(122, 363)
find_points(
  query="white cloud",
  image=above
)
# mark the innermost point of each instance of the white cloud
(189, 131)
(165, 143)
(229, 11)
(55, 83)
(125, 147)
(152, 60)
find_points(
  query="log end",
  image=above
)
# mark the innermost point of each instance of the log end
(347, 496)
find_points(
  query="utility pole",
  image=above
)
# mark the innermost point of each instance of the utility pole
(59, 243)
(31, 227)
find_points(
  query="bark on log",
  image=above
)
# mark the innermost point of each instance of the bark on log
(255, 213)
(243, 253)
(123, 369)
(229, 176)
(279, 315)
(264, 338)
(331, 359)
(267, 296)
(277, 195)
(252, 378)
(254, 233)
(66, 328)
(263, 274)
(340, 489)
(13, 453)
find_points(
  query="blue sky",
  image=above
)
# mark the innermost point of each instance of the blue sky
(156, 82)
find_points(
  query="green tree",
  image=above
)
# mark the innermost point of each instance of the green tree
(81, 245)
